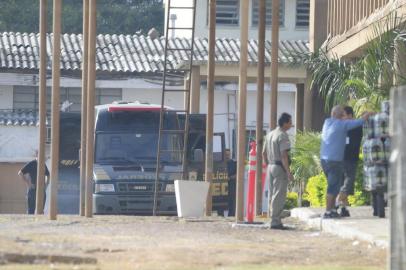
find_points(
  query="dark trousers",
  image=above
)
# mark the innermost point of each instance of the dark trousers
(231, 196)
(31, 198)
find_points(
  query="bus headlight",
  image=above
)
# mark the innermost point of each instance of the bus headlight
(104, 188)
(170, 188)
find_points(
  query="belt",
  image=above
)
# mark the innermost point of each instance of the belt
(278, 163)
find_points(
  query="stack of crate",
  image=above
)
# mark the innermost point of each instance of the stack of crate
(376, 150)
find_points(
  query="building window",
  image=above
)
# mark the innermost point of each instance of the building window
(26, 97)
(302, 13)
(268, 3)
(228, 12)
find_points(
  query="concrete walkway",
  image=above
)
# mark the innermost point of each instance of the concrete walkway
(360, 226)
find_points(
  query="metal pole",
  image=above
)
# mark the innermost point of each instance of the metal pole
(56, 73)
(90, 108)
(242, 109)
(83, 130)
(210, 103)
(260, 103)
(39, 204)
(274, 62)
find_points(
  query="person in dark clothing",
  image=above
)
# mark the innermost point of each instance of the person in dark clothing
(351, 157)
(232, 173)
(29, 175)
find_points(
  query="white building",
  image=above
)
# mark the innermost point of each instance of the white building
(130, 68)
(294, 27)
(294, 18)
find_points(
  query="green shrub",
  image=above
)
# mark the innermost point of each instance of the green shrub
(305, 156)
(316, 190)
(360, 197)
(291, 200)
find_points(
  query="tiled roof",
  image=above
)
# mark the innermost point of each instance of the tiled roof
(131, 53)
(19, 118)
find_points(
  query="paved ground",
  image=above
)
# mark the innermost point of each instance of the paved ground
(361, 225)
(130, 242)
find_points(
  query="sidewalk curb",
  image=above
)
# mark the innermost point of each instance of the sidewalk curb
(336, 227)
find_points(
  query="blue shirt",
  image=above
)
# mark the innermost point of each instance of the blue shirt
(333, 137)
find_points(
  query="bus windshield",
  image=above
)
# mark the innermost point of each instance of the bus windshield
(136, 147)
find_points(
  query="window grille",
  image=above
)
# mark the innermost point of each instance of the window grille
(26, 97)
(228, 12)
(268, 3)
(302, 13)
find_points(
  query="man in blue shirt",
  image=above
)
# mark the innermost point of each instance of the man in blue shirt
(333, 141)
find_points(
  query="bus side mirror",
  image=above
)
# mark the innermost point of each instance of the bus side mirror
(198, 155)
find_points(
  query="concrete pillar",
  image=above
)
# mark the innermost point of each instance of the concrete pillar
(318, 23)
(397, 185)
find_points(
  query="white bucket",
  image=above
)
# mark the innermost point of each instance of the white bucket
(191, 197)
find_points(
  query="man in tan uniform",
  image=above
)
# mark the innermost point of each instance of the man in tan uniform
(276, 154)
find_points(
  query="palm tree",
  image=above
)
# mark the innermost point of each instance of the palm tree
(364, 82)
(305, 159)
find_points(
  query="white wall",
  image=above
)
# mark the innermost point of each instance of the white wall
(17, 144)
(6, 97)
(225, 109)
(287, 32)
(153, 96)
(225, 104)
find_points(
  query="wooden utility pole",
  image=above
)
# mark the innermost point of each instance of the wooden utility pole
(274, 62)
(90, 108)
(260, 103)
(242, 109)
(299, 106)
(85, 55)
(39, 204)
(195, 90)
(210, 103)
(56, 74)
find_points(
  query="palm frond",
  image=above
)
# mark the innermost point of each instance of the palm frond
(367, 80)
